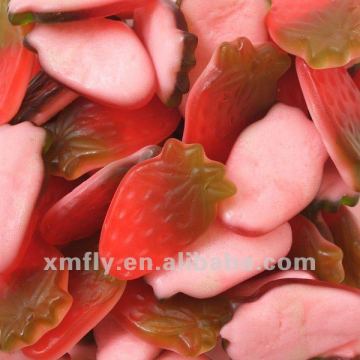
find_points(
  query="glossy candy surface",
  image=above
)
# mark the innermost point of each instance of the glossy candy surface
(32, 301)
(325, 33)
(290, 315)
(164, 31)
(44, 98)
(309, 243)
(168, 168)
(94, 294)
(220, 259)
(187, 326)
(277, 165)
(123, 76)
(24, 11)
(15, 66)
(333, 100)
(162, 205)
(87, 136)
(345, 228)
(238, 86)
(81, 213)
(228, 20)
(18, 194)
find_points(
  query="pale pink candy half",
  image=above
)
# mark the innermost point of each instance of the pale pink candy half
(276, 165)
(168, 355)
(161, 28)
(222, 244)
(21, 177)
(248, 288)
(99, 58)
(296, 321)
(115, 343)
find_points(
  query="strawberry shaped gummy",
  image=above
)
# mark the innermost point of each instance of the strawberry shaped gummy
(32, 300)
(325, 33)
(87, 136)
(238, 86)
(162, 205)
(308, 242)
(345, 228)
(94, 295)
(81, 213)
(214, 22)
(15, 66)
(182, 324)
(333, 100)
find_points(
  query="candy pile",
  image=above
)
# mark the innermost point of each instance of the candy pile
(137, 133)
